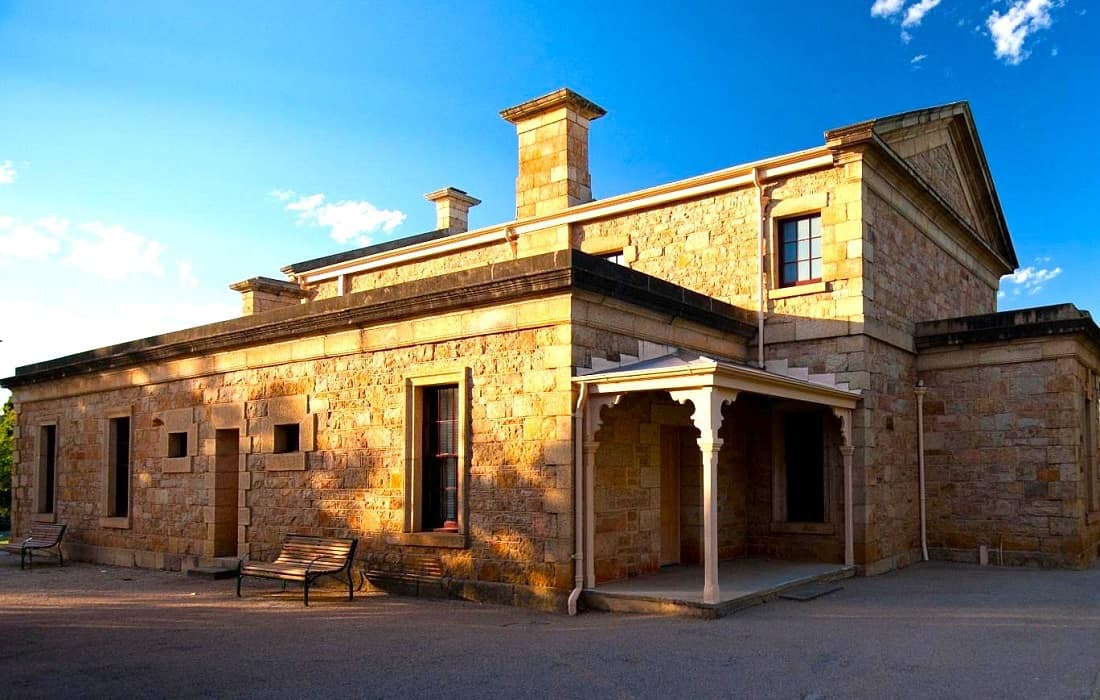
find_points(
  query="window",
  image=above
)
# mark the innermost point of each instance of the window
(118, 467)
(47, 469)
(1089, 438)
(439, 469)
(177, 445)
(614, 256)
(799, 250)
(436, 458)
(287, 438)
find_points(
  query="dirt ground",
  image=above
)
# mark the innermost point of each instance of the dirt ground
(932, 630)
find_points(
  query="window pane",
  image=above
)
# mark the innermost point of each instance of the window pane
(790, 232)
(815, 268)
(803, 229)
(803, 250)
(815, 226)
(815, 248)
(790, 252)
(803, 270)
(790, 273)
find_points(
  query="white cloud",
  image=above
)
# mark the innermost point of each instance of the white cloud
(906, 37)
(1030, 280)
(7, 172)
(886, 8)
(1054, 51)
(346, 220)
(115, 253)
(1010, 30)
(20, 241)
(187, 278)
(918, 58)
(56, 225)
(916, 12)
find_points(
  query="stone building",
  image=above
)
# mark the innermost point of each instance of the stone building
(796, 360)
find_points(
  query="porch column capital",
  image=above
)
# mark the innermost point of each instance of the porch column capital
(845, 417)
(593, 418)
(708, 402)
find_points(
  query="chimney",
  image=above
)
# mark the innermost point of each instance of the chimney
(452, 208)
(261, 294)
(553, 151)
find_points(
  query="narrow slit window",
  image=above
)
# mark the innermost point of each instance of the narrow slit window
(47, 468)
(118, 484)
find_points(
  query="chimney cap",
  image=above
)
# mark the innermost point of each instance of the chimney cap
(452, 193)
(562, 97)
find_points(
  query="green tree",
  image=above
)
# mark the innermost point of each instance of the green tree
(7, 440)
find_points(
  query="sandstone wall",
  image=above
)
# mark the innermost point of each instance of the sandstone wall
(1005, 452)
(352, 482)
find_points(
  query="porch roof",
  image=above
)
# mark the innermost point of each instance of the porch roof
(686, 370)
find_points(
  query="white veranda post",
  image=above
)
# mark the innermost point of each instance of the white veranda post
(707, 417)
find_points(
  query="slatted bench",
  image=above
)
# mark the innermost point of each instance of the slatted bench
(43, 536)
(304, 558)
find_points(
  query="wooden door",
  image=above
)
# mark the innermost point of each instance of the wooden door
(670, 495)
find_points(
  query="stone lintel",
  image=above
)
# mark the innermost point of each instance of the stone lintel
(562, 97)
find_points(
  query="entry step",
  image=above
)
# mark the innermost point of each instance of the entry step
(212, 572)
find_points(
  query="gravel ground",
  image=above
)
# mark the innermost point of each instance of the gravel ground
(930, 631)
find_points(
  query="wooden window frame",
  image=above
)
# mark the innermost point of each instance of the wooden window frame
(415, 416)
(782, 260)
(45, 484)
(111, 517)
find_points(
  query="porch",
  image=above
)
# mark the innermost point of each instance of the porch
(741, 582)
(739, 477)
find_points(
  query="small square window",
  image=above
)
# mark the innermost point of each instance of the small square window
(799, 250)
(287, 437)
(177, 444)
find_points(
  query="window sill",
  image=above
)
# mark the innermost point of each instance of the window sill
(798, 290)
(450, 540)
(116, 523)
(803, 528)
(43, 517)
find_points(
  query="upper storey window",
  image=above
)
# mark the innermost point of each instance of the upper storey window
(800, 250)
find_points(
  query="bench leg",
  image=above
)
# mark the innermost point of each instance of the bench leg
(239, 583)
(60, 556)
(350, 592)
(305, 596)
(22, 558)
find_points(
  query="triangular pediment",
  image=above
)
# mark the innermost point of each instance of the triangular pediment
(941, 144)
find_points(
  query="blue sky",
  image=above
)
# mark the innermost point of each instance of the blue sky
(143, 145)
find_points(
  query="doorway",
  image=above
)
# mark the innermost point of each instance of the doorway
(226, 479)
